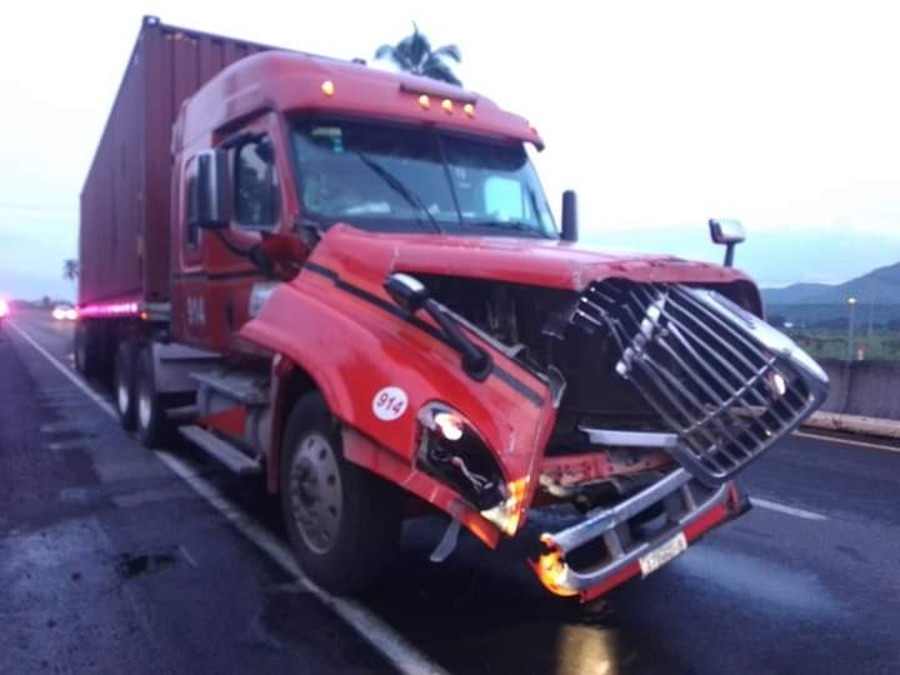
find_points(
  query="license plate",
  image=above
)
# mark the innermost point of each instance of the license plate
(666, 552)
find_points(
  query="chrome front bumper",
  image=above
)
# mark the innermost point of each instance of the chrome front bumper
(684, 503)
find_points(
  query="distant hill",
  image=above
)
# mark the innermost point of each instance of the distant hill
(878, 287)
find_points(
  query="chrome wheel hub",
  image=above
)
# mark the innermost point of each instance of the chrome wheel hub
(123, 396)
(315, 492)
(145, 408)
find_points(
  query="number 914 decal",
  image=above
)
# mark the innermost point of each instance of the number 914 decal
(389, 403)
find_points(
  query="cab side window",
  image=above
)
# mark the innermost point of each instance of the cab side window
(257, 187)
(191, 231)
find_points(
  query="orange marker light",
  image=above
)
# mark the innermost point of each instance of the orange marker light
(469, 109)
(447, 105)
(328, 88)
(424, 101)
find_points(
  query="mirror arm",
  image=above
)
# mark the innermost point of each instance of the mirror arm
(569, 230)
(411, 295)
(729, 254)
(476, 362)
(236, 250)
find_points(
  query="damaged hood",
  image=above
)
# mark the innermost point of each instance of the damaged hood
(536, 262)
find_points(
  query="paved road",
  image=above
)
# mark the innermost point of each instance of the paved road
(111, 562)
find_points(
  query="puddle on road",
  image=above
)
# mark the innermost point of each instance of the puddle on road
(129, 566)
(768, 583)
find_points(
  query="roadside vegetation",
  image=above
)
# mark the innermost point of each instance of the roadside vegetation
(823, 343)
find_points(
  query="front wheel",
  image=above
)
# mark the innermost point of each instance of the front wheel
(343, 521)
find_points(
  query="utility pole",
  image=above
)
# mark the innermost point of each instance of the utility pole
(851, 304)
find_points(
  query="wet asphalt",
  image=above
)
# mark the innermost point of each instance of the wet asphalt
(109, 562)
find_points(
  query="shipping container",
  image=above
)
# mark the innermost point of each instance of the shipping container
(124, 235)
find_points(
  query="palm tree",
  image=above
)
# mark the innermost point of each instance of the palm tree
(70, 269)
(413, 54)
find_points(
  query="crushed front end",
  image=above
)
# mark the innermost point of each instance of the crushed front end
(724, 385)
(665, 391)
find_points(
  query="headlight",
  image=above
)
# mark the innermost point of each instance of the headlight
(452, 451)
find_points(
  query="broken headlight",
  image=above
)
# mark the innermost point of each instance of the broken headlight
(451, 451)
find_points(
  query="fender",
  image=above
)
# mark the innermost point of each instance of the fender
(355, 344)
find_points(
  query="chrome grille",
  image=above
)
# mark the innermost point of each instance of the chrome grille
(728, 384)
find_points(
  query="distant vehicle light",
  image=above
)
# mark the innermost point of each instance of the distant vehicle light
(64, 313)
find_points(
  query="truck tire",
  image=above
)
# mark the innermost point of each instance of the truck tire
(343, 521)
(126, 399)
(153, 427)
(87, 350)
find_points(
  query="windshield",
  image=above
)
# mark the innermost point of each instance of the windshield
(388, 178)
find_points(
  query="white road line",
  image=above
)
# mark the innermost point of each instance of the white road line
(390, 644)
(784, 508)
(65, 371)
(845, 441)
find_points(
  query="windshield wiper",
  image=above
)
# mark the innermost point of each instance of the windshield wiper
(400, 188)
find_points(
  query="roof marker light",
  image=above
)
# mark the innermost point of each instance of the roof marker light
(328, 88)
(447, 105)
(424, 101)
(469, 109)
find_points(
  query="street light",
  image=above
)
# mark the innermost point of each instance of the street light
(851, 304)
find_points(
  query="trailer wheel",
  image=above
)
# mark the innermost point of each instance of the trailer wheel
(343, 521)
(126, 404)
(153, 427)
(86, 348)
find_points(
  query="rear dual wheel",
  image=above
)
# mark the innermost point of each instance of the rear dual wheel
(126, 399)
(87, 350)
(141, 408)
(151, 420)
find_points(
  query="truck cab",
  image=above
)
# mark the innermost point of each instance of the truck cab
(309, 142)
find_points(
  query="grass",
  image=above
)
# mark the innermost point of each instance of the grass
(832, 344)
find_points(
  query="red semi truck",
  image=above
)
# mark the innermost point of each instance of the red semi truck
(350, 282)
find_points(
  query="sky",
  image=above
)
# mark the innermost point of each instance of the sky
(784, 115)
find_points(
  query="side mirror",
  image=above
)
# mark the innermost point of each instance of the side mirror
(209, 198)
(569, 216)
(408, 292)
(728, 232)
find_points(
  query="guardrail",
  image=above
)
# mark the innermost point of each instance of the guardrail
(864, 398)
(866, 388)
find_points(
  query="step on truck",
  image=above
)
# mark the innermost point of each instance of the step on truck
(349, 282)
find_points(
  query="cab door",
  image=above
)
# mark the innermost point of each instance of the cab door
(258, 207)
